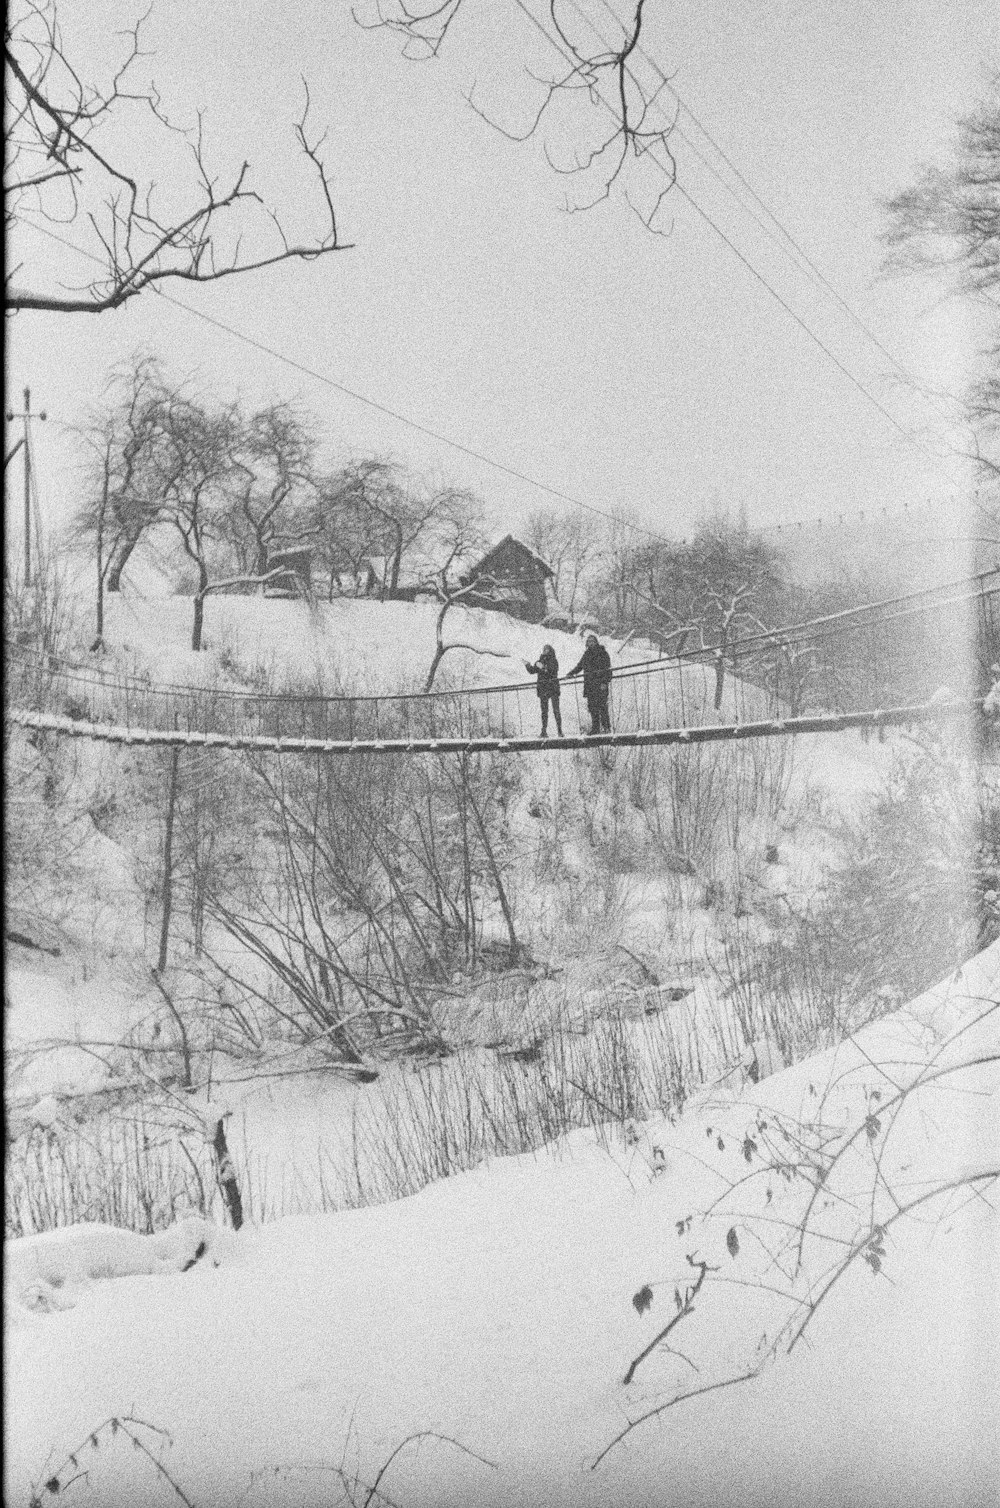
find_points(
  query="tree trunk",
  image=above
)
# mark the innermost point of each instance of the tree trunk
(720, 675)
(439, 650)
(397, 562)
(515, 947)
(199, 606)
(199, 618)
(227, 1175)
(438, 657)
(121, 561)
(99, 636)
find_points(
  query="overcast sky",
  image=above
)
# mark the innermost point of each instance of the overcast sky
(650, 372)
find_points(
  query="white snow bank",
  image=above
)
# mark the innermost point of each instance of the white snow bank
(357, 645)
(497, 1309)
(45, 1271)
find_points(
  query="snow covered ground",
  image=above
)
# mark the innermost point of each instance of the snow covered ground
(497, 1312)
(369, 648)
(481, 1328)
(350, 644)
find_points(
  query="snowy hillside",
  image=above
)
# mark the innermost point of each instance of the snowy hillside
(346, 645)
(482, 1329)
(366, 648)
(456, 1082)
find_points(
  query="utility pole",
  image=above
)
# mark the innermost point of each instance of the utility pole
(27, 416)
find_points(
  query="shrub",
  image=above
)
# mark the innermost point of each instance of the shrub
(915, 892)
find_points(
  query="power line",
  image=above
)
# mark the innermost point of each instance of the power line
(444, 439)
(812, 270)
(568, 58)
(381, 408)
(907, 604)
(906, 433)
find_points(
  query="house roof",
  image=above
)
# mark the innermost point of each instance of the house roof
(509, 539)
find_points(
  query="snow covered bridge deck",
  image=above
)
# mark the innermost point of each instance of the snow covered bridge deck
(935, 710)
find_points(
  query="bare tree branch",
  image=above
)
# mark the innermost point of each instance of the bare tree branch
(58, 172)
(603, 76)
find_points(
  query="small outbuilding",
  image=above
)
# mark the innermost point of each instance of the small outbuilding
(514, 580)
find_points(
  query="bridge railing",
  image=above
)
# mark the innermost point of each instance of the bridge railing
(885, 654)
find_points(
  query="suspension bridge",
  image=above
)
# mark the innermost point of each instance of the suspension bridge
(928, 655)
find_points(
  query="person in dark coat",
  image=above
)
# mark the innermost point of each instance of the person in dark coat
(547, 671)
(596, 667)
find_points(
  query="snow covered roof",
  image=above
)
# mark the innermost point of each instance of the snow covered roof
(510, 540)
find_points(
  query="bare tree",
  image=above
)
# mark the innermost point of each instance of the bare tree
(226, 486)
(273, 481)
(948, 223)
(570, 542)
(63, 166)
(458, 539)
(591, 88)
(342, 533)
(409, 517)
(949, 220)
(122, 501)
(373, 893)
(701, 594)
(196, 449)
(366, 512)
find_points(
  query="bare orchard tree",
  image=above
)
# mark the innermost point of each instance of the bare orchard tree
(122, 496)
(727, 579)
(459, 538)
(344, 533)
(587, 96)
(65, 165)
(409, 517)
(368, 515)
(226, 487)
(571, 542)
(706, 594)
(196, 446)
(272, 486)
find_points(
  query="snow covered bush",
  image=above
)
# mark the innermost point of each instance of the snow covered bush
(847, 1162)
(39, 621)
(378, 884)
(46, 831)
(125, 1168)
(915, 890)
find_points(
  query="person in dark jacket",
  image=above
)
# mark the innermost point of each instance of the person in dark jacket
(547, 671)
(596, 667)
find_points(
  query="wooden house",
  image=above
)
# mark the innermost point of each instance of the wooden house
(514, 580)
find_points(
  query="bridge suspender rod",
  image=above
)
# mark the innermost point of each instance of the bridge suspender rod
(708, 733)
